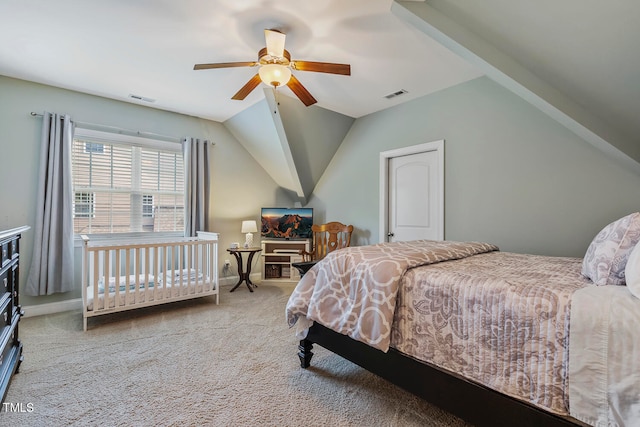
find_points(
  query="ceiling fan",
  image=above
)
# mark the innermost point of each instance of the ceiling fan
(275, 68)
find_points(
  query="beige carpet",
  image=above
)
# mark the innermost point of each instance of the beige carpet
(193, 364)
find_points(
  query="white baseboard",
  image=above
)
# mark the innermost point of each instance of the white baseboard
(52, 307)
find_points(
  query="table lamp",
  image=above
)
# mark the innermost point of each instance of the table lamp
(249, 227)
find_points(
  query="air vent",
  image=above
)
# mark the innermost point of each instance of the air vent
(141, 98)
(394, 94)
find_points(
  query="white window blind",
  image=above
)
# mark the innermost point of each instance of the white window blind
(136, 185)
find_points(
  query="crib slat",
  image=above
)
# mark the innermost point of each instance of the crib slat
(95, 280)
(127, 275)
(116, 275)
(146, 273)
(173, 270)
(156, 272)
(107, 276)
(189, 267)
(180, 277)
(164, 272)
(210, 265)
(136, 268)
(196, 265)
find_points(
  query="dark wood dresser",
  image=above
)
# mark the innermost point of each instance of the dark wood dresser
(10, 310)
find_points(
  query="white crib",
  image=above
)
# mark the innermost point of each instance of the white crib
(119, 276)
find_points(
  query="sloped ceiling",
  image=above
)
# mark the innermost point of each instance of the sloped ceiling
(293, 143)
(586, 49)
(256, 131)
(313, 134)
(148, 48)
(578, 61)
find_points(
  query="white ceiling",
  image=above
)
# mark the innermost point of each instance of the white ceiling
(586, 50)
(148, 48)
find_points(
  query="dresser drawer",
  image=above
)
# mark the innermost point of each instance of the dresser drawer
(5, 311)
(5, 253)
(8, 251)
(12, 283)
(14, 249)
(9, 346)
(6, 281)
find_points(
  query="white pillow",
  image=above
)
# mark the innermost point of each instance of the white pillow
(632, 271)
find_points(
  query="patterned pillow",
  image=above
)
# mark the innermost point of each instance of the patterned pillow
(632, 271)
(607, 255)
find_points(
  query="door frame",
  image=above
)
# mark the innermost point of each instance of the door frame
(437, 146)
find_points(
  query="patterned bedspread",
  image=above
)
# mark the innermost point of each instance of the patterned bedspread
(500, 319)
(359, 285)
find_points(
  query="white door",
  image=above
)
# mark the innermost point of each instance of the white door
(414, 200)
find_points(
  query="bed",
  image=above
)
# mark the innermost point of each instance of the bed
(120, 275)
(497, 338)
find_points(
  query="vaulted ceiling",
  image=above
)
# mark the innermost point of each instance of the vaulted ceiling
(148, 48)
(576, 60)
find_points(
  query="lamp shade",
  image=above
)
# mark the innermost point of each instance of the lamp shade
(274, 74)
(249, 227)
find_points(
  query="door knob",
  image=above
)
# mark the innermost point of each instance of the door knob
(390, 234)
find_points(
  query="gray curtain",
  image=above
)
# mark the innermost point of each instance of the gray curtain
(196, 172)
(52, 262)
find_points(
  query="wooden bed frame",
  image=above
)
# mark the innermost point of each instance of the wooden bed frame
(470, 401)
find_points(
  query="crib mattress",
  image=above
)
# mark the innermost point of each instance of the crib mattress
(177, 283)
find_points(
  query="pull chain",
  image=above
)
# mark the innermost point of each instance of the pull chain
(275, 96)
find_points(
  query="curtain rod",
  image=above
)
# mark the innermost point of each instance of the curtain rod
(96, 126)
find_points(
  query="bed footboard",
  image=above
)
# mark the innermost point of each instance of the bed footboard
(119, 276)
(470, 401)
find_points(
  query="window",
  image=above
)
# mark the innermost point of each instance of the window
(93, 147)
(125, 184)
(83, 205)
(147, 205)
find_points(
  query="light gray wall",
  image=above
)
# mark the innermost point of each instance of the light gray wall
(239, 185)
(314, 135)
(513, 176)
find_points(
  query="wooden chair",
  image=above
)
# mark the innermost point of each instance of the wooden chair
(327, 238)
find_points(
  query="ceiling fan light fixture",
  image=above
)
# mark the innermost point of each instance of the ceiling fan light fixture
(274, 74)
(275, 69)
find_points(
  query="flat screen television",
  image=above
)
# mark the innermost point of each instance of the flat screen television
(286, 223)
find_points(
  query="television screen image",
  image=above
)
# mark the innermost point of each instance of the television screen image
(286, 223)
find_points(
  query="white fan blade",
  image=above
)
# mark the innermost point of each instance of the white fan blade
(275, 42)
